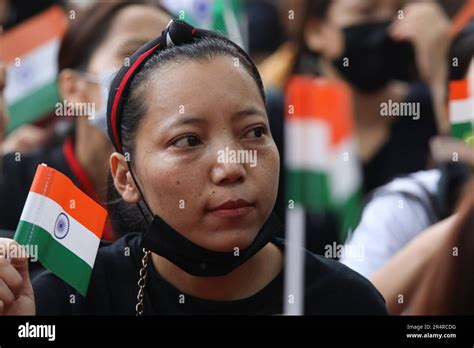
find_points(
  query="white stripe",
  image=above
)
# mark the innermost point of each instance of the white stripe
(43, 211)
(345, 172)
(294, 262)
(36, 69)
(461, 111)
(307, 144)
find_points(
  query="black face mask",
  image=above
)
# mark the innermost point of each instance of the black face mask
(371, 58)
(163, 240)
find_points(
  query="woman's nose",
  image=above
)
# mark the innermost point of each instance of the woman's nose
(228, 172)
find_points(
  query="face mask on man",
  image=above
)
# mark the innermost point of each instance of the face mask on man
(371, 58)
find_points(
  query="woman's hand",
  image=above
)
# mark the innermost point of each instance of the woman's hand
(426, 26)
(16, 291)
(25, 139)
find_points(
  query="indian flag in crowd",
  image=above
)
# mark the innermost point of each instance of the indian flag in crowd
(322, 170)
(30, 51)
(224, 16)
(461, 109)
(65, 224)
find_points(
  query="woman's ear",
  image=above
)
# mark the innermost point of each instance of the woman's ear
(123, 180)
(71, 86)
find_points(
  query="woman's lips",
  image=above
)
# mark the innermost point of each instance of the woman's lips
(236, 208)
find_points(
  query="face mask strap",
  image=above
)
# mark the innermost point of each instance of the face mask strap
(142, 196)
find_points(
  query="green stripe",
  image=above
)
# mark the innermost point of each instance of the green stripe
(311, 189)
(55, 257)
(462, 130)
(308, 188)
(33, 106)
(349, 213)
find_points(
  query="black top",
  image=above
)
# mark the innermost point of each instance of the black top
(330, 289)
(407, 148)
(17, 174)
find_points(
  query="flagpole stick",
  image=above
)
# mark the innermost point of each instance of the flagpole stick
(294, 261)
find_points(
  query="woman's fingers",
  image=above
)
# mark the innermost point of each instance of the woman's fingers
(16, 292)
(6, 294)
(15, 254)
(9, 275)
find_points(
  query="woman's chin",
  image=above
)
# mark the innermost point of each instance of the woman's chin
(229, 241)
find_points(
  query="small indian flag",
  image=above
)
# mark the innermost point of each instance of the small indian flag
(30, 51)
(65, 224)
(461, 109)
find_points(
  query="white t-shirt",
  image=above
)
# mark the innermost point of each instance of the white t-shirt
(397, 213)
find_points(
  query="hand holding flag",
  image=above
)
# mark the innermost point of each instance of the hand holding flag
(16, 292)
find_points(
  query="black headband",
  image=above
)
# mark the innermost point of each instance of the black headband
(175, 34)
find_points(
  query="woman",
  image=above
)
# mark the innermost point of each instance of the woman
(209, 247)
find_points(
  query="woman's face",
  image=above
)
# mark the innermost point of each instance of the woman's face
(197, 113)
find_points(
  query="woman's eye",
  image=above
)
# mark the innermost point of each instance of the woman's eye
(187, 141)
(256, 132)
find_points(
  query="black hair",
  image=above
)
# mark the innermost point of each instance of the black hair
(89, 30)
(126, 217)
(318, 8)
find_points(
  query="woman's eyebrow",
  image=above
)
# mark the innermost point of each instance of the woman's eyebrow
(248, 112)
(185, 121)
(194, 120)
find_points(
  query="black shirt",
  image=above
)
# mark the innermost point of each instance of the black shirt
(407, 148)
(17, 174)
(330, 289)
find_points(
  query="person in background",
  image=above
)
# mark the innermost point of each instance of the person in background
(262, 43)
(324, 32)
(95, 45)
(385, 55)
(432, 274)
(447, 283)
(402, 209)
